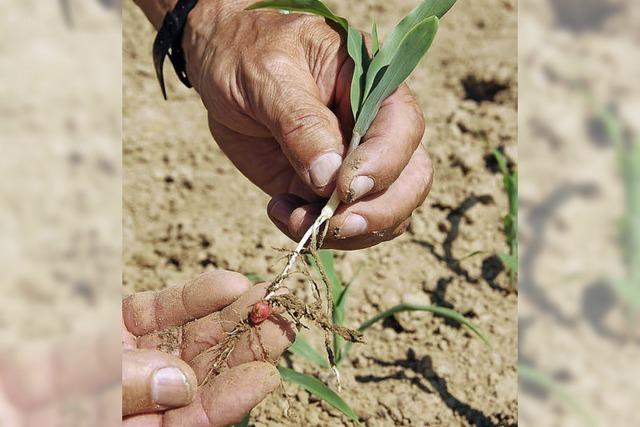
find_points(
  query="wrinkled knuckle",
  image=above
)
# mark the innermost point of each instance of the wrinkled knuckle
(306, 25)
(327, 41)
(301, 122)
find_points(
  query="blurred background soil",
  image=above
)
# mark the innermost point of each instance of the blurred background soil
(187, 210)
(60, 213)
(580, 61)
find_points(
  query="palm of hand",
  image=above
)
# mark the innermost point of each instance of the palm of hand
(175, 329)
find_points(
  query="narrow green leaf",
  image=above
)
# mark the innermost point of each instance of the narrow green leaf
(315, 7)
(391, 45)
(244, 422)
(406, 57)
(317, 388)
(375, 41)
(358, 52)
(540, 379)
(509, 261)
(502, 162)
(302, 348)
(326, 258)
(440, 311)
(338, 318)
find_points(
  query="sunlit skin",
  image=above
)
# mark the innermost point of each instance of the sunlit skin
(276, 88)
(177, 327)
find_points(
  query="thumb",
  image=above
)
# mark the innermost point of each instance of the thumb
(155, 381)
(306, 129)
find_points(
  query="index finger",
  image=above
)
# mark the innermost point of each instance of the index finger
(385, 150)
(145, 312)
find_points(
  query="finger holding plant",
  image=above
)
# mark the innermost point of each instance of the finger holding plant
(277, 90)
(375, 77)
(282, 135)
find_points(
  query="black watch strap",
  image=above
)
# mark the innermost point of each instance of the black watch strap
(168, 42)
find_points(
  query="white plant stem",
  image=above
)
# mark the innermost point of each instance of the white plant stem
(325, 215)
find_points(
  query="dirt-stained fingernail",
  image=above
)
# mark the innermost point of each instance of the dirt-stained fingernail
(170, 387)
(353, 226)
(324, 169)
(360, 185)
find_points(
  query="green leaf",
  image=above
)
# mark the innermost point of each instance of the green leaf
(244, 422)
(540, 379)
(301, 347)
(326, 258)
(375, 41)
(405, 58)
(628, 292)
(315, 7)
(510, 261)
(440, 311)
(502, 162)
(358, 52)
(338, 319)
(426, 9)
(320, 390)
(254, 278)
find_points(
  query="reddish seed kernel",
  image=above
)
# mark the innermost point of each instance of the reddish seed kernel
(260, 311)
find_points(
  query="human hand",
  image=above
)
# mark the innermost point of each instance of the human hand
(165, 338)
(277, 91)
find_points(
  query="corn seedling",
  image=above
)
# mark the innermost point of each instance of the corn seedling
(376, 75)
(628, 162)
(510, 220)
(303, 348)
(339, 289)
(537, 378)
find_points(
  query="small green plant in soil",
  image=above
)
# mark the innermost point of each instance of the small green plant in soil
(340, 290)
(377, 74)
(628, 164)
(510, 220)
(536, 378)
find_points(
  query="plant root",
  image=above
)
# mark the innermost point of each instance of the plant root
(309, 244)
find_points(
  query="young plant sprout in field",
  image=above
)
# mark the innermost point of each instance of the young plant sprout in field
(323, 264)
(510, 221)
(628, 163)
(375, 77)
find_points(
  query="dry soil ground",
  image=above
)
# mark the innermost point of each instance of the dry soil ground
(187, 210)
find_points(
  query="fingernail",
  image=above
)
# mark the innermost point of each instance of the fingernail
(169, 387)
(324, 169)
(281, 211)
(360, 185)
(353, 226)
